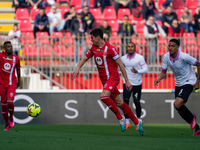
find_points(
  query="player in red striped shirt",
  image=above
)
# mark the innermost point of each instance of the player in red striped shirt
(107, 61)
(8, 82)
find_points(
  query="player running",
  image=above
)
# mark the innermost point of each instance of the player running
(8, 82)
(185, 79)
(135, 66)
(107, 61)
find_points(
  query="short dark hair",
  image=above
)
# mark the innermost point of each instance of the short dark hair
(97, 32)
(177, 41)
(16, 24)
(6, 42)
(72, 6)
(132, 43)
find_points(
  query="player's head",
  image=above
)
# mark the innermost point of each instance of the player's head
(173, 46)
(96, 36)
(8, 47)
(131, 48)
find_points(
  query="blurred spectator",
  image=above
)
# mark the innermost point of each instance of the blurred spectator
(148, 8)
(166, 3)
(55, 20)
(20, 3)
(125, 31)
(41, 22)
(186, 21)
(36, 3)
(83, 3)
(88, 17)
(69, 16)
(168, 17)
(14, 36)
(63, 3)
(197, 19)
(101, 3)
(175, 30)
(106, 30)
(151, 33)
(50, 2)
(123, 4)
(79, 30)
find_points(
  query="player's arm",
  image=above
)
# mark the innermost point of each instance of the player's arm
(196, 86)
(80, 64)
(18, 77)
(121, 66)
(161, 76)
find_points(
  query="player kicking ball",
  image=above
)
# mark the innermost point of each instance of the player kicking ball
(185, 80)
(107, 61)
(8, 82)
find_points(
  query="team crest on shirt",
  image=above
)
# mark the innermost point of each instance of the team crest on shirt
(100, 50)
(7, 66)
(110, 87)
(99, 60)
(11, 94)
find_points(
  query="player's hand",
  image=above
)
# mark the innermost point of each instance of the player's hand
(134, 70)
(156, 82)
(196, 86)
(128, 86)
(18, 84)
(75, 73)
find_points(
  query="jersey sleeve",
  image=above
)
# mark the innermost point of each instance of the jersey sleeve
(89, 53)
(114, 53)
(144, 68)
(18, 63)
(190, 60)
(164, 62)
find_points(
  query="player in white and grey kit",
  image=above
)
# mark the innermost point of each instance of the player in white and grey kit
(185, 80)
(135, 66)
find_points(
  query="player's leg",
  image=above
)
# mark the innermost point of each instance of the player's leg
(182, 94)
(136, 97)
(126, 97)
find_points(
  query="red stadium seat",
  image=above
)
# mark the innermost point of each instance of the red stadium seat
(122, 12)
(109, 13)
(45, 51)
(27, 38)
(61, 50)
(76, 3)
(189, 39)
(96, 12)
(178, 4)
(33, 13)
(138, 18)
(47, 10)
(139, 27)
(22, 14)
(43, 37)
(25, 26)
(160, 2)
(192, 4)
(114, 25)
(63, 10)
(179, 12)
(56, 36)
(98, 22)
(68, 39)
(30, 50)
(159, 23)
(115, 40)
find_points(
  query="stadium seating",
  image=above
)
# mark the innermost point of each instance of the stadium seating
(76, 3)
(178, 4)
(160, 2)
(25, 26)
(43, 37)
(56, 36)
(179, 12)
(45, 51)
(109, 13)
(22, 14)
(192, 4)
(61, 50)
(96, 12)
(139, 27)
(114, 25)
(33, 13)
(68, 39)
(27, 38)
(98, 22)
(30, 51)
(122, 12)
(63, 10)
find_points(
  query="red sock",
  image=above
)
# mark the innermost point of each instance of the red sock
(10, 108)
(111, 104)
(127, 110)
(5, 112)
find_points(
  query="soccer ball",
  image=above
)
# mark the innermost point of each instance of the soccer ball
(33, 110)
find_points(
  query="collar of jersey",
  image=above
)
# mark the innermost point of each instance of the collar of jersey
(131, 56)
(177, 56)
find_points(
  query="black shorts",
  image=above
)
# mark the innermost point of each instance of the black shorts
(183, 91)
(136, 90)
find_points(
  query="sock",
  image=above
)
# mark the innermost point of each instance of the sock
(126, 100)
(5, 112)
(138, 109)
(111, 104)
(10, 108)
(127, 121)
(127, 110)
(185, 114)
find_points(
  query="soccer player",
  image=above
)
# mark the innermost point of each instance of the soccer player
(8, 82)
(107, 61)
(135, 66)
(185, 80)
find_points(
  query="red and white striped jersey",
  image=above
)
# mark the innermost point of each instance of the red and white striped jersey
(105, 61)
(8, 66)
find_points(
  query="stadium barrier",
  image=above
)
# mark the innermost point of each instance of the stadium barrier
(85, 107)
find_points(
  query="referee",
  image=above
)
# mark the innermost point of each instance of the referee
(135, 66)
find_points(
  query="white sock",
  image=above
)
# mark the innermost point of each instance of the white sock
(127, 121)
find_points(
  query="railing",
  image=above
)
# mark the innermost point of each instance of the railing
(56, 59)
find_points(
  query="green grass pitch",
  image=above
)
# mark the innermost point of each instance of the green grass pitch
(98, 137)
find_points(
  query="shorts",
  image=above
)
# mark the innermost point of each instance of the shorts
(136, 90)
(183, 91)
(7, 92)
(111, 86)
